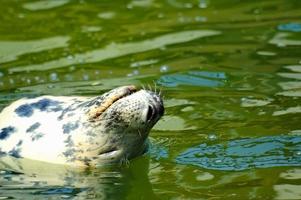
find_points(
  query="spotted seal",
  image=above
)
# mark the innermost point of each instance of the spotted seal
(80, 131)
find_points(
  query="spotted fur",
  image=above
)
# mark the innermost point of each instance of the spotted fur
(81, 131)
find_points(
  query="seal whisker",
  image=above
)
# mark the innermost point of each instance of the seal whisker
(155, 86)
(149, 87)
(139, 133)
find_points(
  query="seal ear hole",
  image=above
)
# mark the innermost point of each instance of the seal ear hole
(150, 113)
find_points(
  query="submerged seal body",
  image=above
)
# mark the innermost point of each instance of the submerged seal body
(80, 131)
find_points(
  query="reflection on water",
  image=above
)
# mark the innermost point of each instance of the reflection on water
(44, 180)
(115, 50)
(194, 78)
(10, 50)
(246, 154)
(283, 39)
(44, 5)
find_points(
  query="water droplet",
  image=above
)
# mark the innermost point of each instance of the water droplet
(85, 77)
(135, 72)
(203, 4)
(164, 68)
(212, 136)
(200, 19)
(50, 86)
(53, 77)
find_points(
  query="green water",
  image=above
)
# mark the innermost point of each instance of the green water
(230, 73)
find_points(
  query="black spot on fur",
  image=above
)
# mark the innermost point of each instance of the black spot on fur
(67, 128)
(26, 110)
(33, 127)
(6, 132)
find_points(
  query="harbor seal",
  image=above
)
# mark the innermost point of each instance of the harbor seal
(81, 131)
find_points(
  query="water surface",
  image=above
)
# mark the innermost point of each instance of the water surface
(230, 72)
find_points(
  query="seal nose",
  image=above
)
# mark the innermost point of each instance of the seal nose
(151, 113)
(154, 112)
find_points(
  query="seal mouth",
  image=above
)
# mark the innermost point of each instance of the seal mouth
(126, 91)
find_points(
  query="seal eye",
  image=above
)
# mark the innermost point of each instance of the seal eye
(150, 113)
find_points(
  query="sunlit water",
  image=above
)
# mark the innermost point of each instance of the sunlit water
(230, 73)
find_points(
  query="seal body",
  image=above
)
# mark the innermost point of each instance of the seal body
(80, 131)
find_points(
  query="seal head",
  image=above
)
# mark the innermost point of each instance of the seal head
(80, 131)
(120, 121)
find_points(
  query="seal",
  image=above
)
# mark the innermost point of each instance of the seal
(81, 131)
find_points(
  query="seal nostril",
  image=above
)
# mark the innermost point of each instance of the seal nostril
(161, 111)
(150, 113)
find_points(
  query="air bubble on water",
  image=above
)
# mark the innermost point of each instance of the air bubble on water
(70, 57)
(212, 136)
(1, 74)
(134, 73)
(37, 78)
(53, 77)
(86, 77)
(164, 68)
(203, 4)
(28, 81)
(298, 153)
(200, 19)
(50, 86)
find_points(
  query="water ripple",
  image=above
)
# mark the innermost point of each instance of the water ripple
(194, 78)
(236, 155)
(115, 50)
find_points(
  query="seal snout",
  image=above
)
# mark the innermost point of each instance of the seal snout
(155, 108)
